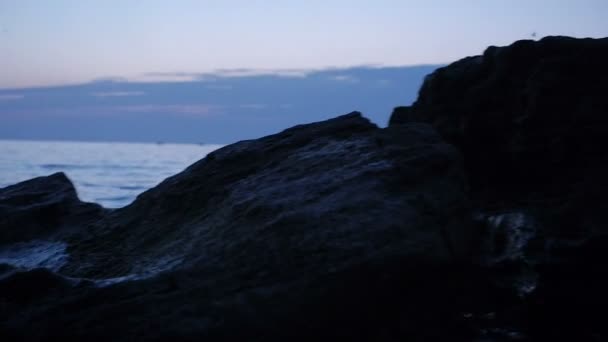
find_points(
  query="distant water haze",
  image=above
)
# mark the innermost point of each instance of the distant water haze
(111, 174)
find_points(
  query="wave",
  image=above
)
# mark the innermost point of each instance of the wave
(115, 198)
(131, 187)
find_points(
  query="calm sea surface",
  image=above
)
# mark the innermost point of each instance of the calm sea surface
(111, 174)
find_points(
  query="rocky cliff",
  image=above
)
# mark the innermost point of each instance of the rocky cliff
(476, 215)
(531, 121)
(526, 116)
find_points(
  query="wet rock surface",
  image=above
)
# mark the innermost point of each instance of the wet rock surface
(477, 215)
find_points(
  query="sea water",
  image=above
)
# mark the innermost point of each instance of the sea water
(111, 174)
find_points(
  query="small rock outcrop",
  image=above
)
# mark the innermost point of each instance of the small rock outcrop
(40, 207)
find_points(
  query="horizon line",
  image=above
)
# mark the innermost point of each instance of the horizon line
(76, 141)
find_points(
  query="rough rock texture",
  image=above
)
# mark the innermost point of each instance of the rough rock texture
(40, 207)
(335, 229)
(531, 120)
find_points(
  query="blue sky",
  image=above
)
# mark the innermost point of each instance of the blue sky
(50, 42)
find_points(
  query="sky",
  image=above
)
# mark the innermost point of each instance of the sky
(58, 42)
(218, 71)
(216, 108)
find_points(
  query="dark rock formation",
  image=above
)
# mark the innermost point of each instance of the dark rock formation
(527, 116)
(335, 229)
(40, 207)
(531, 120)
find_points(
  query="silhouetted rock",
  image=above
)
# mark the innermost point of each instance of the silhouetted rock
(39, 207)
(527, 116)
(531, 120)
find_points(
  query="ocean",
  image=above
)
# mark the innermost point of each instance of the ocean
(111, 174)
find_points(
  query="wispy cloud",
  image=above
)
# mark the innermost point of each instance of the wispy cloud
(344, 78)
(253, 106)
(219, 74)
(245, 72)
(110, 79)
(181, 109)
(215, 75)
(118, 93)
(178, 76)
(383, 83)
(190, 110)
(11, 97)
